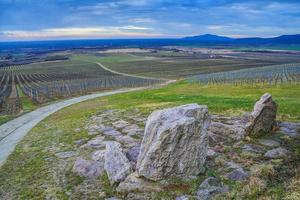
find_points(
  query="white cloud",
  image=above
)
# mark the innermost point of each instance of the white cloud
(81, 32)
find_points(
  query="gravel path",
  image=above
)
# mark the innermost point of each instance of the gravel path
(13, 131)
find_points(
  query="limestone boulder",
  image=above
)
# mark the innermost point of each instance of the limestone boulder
(262, 118)
(116, 163)
(175, 143)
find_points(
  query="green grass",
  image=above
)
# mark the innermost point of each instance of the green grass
(31, 166)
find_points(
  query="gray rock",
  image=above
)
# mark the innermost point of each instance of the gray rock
(238, 175)
(262, 118)
(139, 196)
(175, 142)
(80, 142)
(210, 187)
(113, 198)
(126, 141)
(234, 131)
(120, 124)
(131, 128)
(88, 168)
(116, 164)
(134, 183)
(277, 153)
(269, 143)
(252, 148)
(111, 132)
(133, 153)
(290, 128)
(98, 155)
(211, 153)
(183, 197)
(233, 165)
(96, 142)
(66, 154)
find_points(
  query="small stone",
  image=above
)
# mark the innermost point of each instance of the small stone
(77, 130)
(183, 197)
(277, 153)
(88, 168)
(134, 183)
(133, 153)
(131, 128)
(211, 153)
(290, 128)
(269, 143)
(113, 198)
(66, 154)
(116, 164)
(120, 124)
(112, 133)
(253, 148)
(96, 142)
(238, 175)
(210, 187)
(233, 165)
(80, 142)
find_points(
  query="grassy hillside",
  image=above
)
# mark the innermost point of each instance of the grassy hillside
(31, 172)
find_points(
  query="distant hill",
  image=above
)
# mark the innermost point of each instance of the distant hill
(208, 38)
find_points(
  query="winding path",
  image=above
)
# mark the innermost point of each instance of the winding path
(12, 132)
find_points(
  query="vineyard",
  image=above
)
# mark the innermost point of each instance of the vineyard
(272, 75)
(46, 82)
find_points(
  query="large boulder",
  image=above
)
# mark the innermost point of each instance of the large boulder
(116, 163)
(262, 118)
(175, 143)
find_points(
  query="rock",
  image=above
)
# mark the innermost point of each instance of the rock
(88, 168)
(120, 124)
(66, 154)
(262, 118)
(252, 148)
(97, 142)
(269, 143)
(290, 128)
(139, 196)
(238, 175)
(211, 153)
(98, 155)
(127, 141)
(131, 128)
(175, 142)
(112, 133)
(116, 164)
(113, 198)
(77, 130)
(235, 131)
(277, 153)
(80, 142)
(233, 165)
(183, 197)
(210, 187)
(134, 183)
(133, 153)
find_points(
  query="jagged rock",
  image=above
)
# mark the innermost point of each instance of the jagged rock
(88, 168)
(269, 143)
(113, 198)
(98, 155)
(210, 187)
(262, 118)
(66, 154)
(175, 142)
(116, 164)
(290, 128)
(238, 175)
(134, 183)
(277, 153)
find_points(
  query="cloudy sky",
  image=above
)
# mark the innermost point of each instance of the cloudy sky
(74, 19)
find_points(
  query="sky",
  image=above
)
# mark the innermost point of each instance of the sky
(76, 19)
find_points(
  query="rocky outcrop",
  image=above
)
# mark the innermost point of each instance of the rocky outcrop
(116, 164)
(174, 143)
(262, 118)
